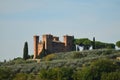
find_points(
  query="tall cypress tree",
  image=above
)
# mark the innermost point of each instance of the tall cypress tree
(25, 51)
(93, 43)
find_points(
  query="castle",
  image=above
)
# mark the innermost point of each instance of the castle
(52, 44)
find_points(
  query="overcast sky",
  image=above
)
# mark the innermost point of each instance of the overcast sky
(20, 20)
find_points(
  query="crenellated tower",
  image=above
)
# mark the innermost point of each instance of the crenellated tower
(47, 39)
(36, 41)
(68, 40)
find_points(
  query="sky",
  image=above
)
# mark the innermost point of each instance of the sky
(20, 20)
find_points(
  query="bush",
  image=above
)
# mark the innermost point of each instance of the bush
(100, 66)
(21, 76)
(24, 76)
(5, 73)
(56, 74)
(111, 76)
(78, 55)
(49, 57)
(95, 70)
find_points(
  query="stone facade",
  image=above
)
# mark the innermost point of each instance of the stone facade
(52, 44)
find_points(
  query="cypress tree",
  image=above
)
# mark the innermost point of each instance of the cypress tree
(93, 43)
(25, 51)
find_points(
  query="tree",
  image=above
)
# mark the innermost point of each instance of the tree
(83, 42)
(99, 45)
(87, 44)
(118, 44)
(110, 46)
(25, 51)
(93, 43)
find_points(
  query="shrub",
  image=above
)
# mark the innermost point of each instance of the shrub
(56, 74)
(78, 55)
(5, 73)
(111, 76)
(95, 70)
(49, 57)
(21, 76)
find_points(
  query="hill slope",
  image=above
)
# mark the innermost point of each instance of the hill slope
(74, 60)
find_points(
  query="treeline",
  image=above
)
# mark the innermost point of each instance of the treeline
(87, 43)
(82, 42)
(98, 70)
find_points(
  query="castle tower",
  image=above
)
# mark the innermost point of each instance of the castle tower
(47, 39)
(68, 40)
(36, 41)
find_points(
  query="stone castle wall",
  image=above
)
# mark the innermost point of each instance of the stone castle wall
(52, 44)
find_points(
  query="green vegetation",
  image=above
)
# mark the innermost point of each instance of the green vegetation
(103, 69)
(5, 73)
(97, 70)
(49, 57)
(56, 74)
(93, 43)
(95, 64)
(25, 51)
(111, 76)
(100, 45)
(86, 44)
(118, 44)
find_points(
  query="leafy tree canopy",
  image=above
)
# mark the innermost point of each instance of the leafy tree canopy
(86, 43)
(118, 44)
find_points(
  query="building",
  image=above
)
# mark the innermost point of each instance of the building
(51, 44)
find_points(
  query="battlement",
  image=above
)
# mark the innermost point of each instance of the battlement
(52, 44)
(55, 38)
